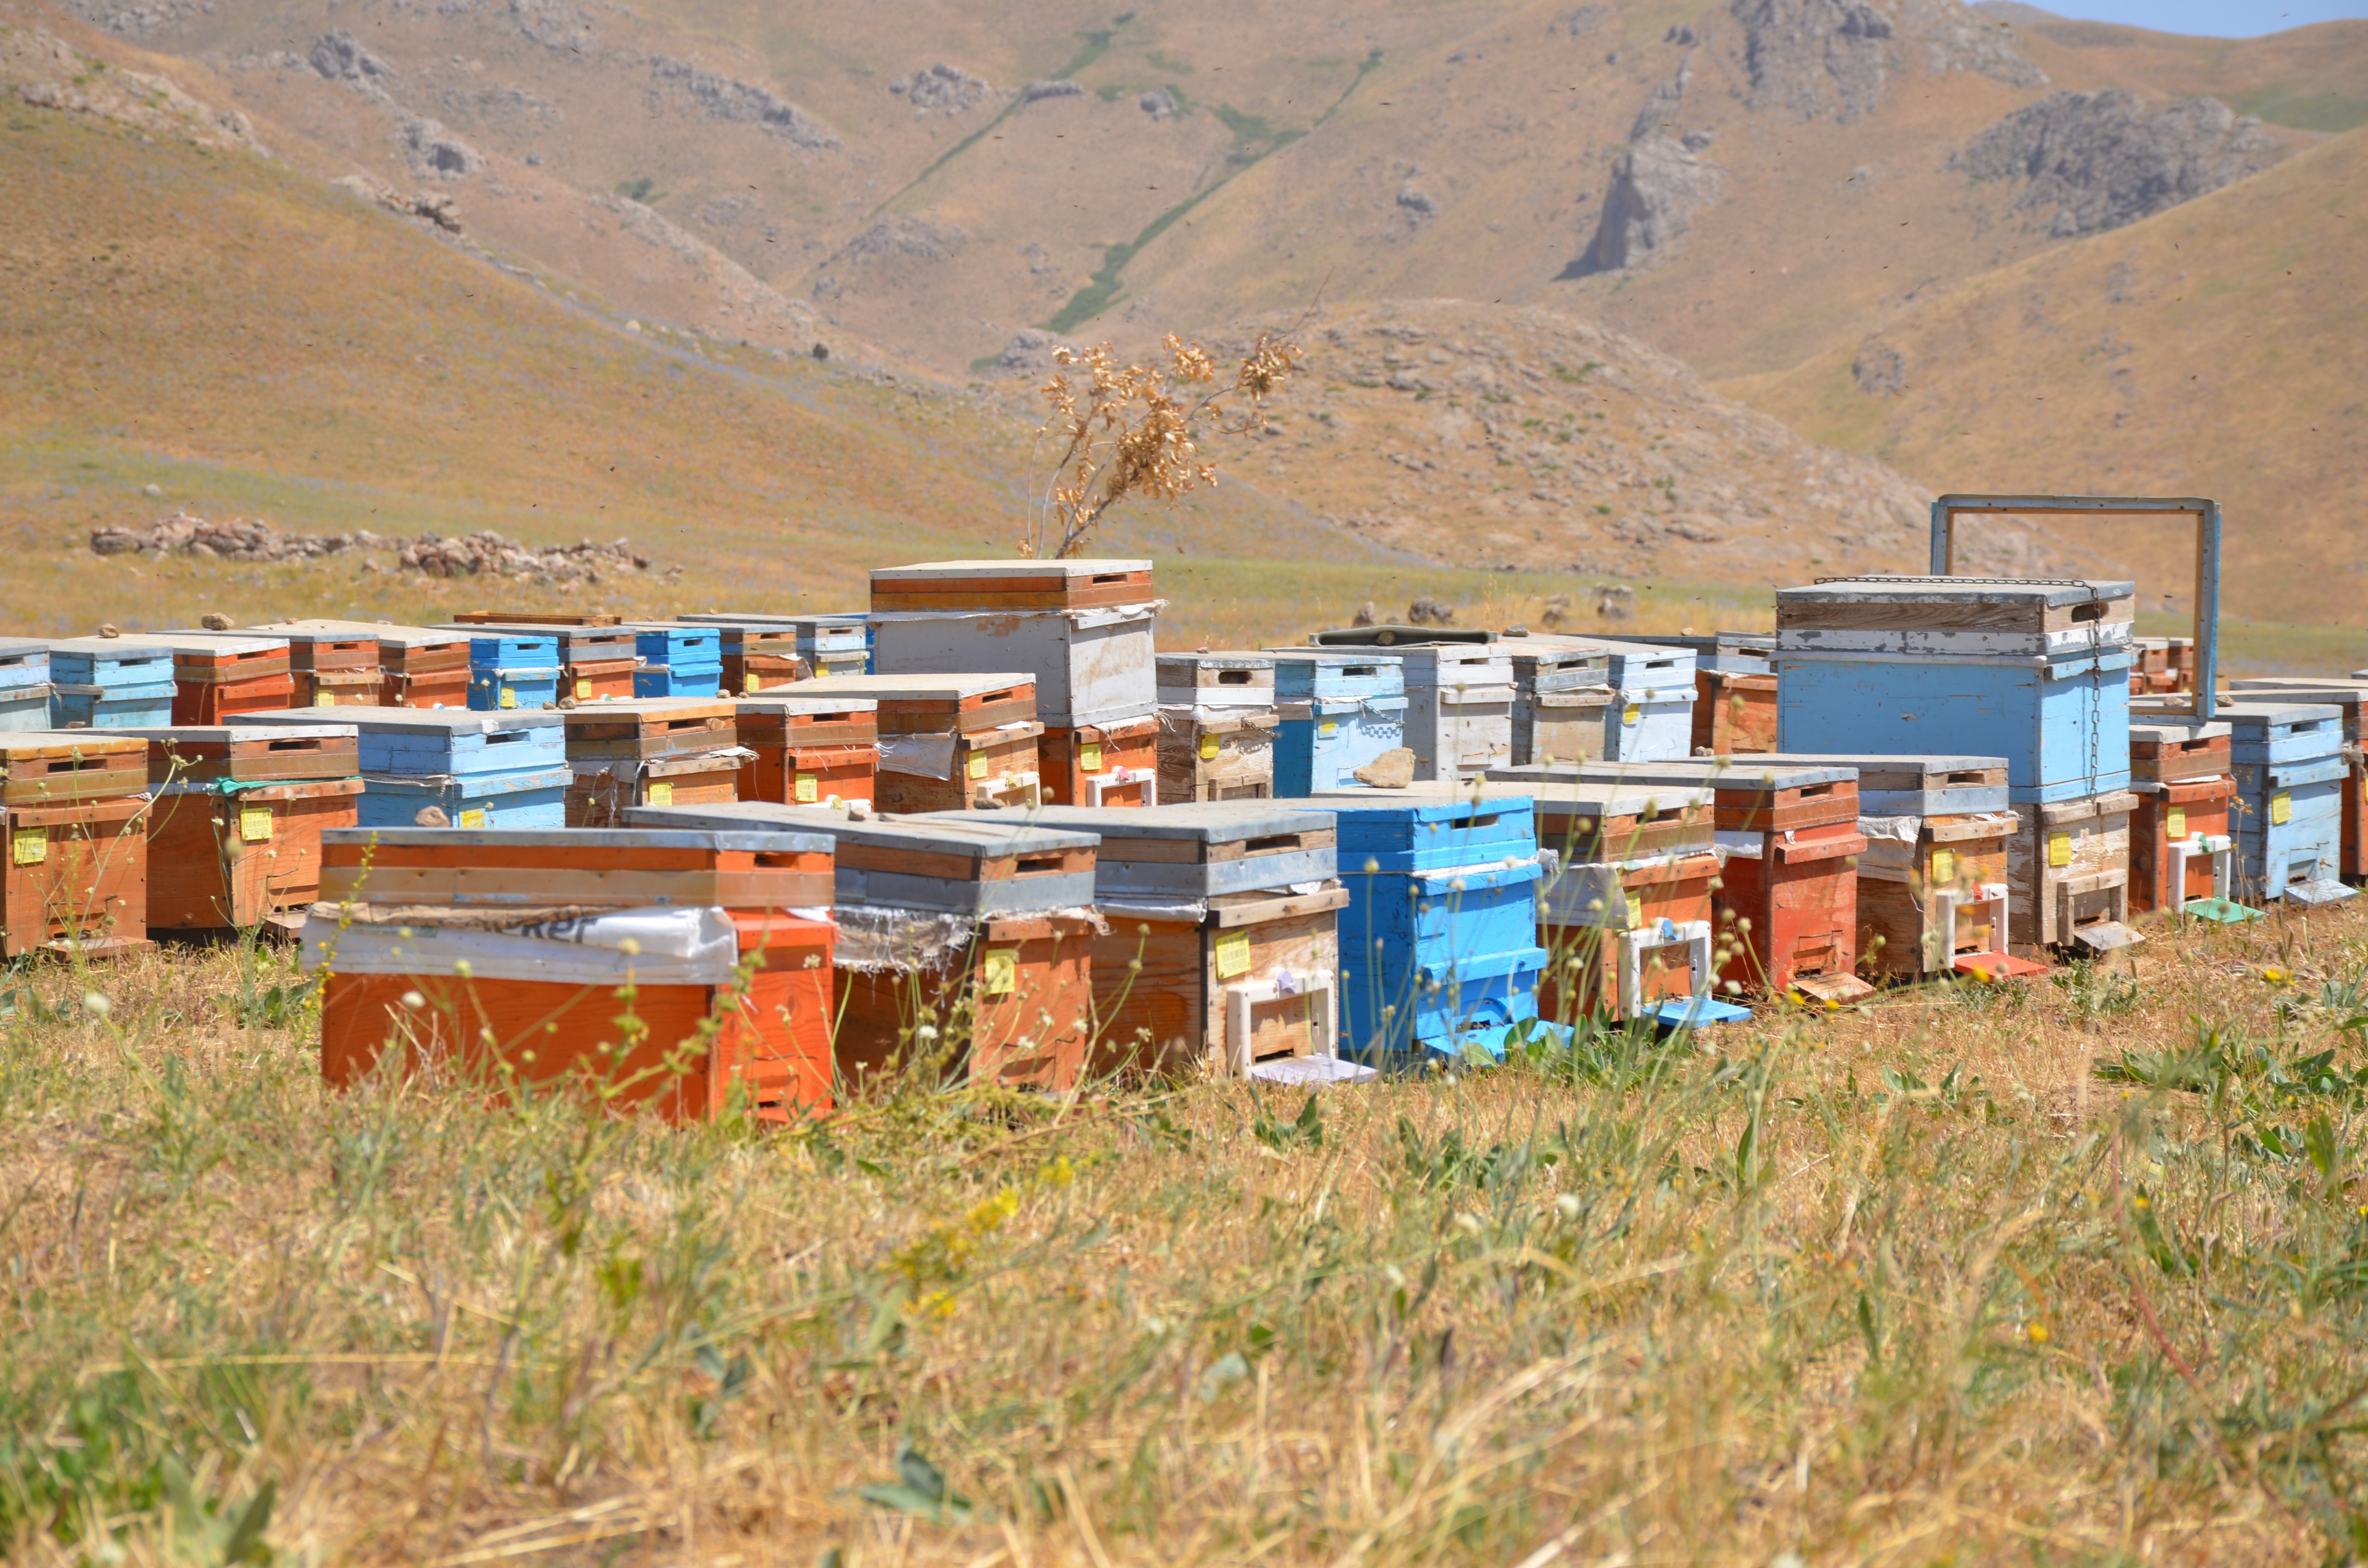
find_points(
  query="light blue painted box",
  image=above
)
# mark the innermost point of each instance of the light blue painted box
(684, 679)
(2062, 723)
(1651, 715)
(533, 797)
(24, 665)
(1339, 708)
(423, 741)
(501, 688)
(110, 683)
(1439, 942)
(2289, 827)
(492, 649)
(27, 707)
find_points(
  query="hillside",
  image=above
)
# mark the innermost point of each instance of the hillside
(2210, 349)
(308, 355)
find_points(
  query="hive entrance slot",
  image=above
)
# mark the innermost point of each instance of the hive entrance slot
(1029, 865)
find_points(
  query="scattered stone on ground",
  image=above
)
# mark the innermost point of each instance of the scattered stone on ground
(47, 73)
(484, 553)
(948, 89)
(1430, 612)
(487, 553)
(434, 206)
(236, 538)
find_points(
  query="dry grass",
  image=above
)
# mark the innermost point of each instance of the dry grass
(1916, 1284)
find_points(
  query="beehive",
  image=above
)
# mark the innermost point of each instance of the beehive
(1101, 765)
(2181, 849)
(334, 668)
(1735, 690)
(809, 751)
(1440, 957)
(106, 683)
(482, 770)
(2292, 770)
(592, 662)
(829, 644)
(1012, 584)
(1933, 895)
(678, 660)
(418, 666)
(1336, 710)
(1222, 948)
(501, 957)
(24, 684)
(2068, 873)
(1626, 910)
(964, 941)
(649, 751)
(1654, 697)
(234, 832)
(217, 674)
(1562, 693)
(1459, 715)
(766, 658)
(74, 872)
(948, 742)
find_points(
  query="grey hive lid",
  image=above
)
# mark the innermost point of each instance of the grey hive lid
(1206, 822)
(2020, 591)
(766, 702)
(224, 734)
(1884, 762)
(949, 688)
(388, 635)
(584, 838)
(182, 641)
(142, 646)
(1228, 659)
(2244, 711)
(976, 835)
(927, 570)
(429, 721)
(2173, 730)
(1350, 655)
(1767, 771)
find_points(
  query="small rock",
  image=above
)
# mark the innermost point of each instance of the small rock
(215, 622)
(821, 351)
(1391, 770)
(1365, 615)
(109, 629)
(1430, 612)
(152, 492)
(430, 816)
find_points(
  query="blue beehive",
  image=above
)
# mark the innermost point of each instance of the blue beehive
(2290, 771)
(1339, 710)
(110, 683)
(678, 660)
(511, 669)
(2036, 671)
(1438, 943)
(830, 644)
(483, 770)
(24, 684)
(1651, 715)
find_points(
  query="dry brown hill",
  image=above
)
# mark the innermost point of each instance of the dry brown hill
(2210, 349)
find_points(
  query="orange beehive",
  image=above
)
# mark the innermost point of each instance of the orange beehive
(1101, 765)
(491, 956)
(656, 751)
(1788, 900)
(75, 871)
(234, 832)
(948, 743)
(1628, 893)
(809, 751)
(220, 672)
(2172, 816)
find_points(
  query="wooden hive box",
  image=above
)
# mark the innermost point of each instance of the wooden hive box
(2292, 767)
(1787, 902)
(1439, 939)
(538, 918)
(2164, 752)
(1729, 653)
(809, 751)
(1561, 694)
(1459, 714)
(2062, 723)
(483, 770)
(1225, 682)
(107, 683)
(964, 944)
(2349, 697)
(1627, 913)
(678, 659)
(750, 659)
(533, 618)
(24, 685)
(1206, 755)
(1223, 943)
(1655, 692)
(1091, 665)
(950, 742)
(1009, 585)
(75, 860)
(830, 644)
(1336, 710)
(595, 663)
(649, 751)
(216, 674)
(2068, 874)
(1101, 765)
(1933, 895)
(1981, 617)
(2180, 847)
(418, 666)
(1733, 714)
(234, 832)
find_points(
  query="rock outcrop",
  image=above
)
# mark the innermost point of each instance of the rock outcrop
(47, 73)
(2101, 160)
(941, 89)
(719, 96)
(1657, 186)
(1819, 59)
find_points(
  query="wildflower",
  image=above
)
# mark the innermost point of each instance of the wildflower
(2037, 1333)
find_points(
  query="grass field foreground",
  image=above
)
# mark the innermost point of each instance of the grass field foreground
(2075, 1270)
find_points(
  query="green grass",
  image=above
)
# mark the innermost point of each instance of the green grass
(2065, 1272)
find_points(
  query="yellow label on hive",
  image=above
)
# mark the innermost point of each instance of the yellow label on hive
(2060, 849)
(2281, 807)
(1233, 954)
(583, 688)
(1631, 714)
(661, 794)
(2175, 822)
(30, 846)
(254, 824)
(1208, 748)
(978, 765)
(1000, 971)
(1944, 866)
(809, 788)
(476, 816)
(324, 700)
(750, 682)
(1089, 758)
(509, 697)
(1329, 727)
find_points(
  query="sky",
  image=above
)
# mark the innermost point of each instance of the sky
(2209, 18)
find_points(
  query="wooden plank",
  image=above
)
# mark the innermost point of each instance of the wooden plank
(590, 887)
(74, 873)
